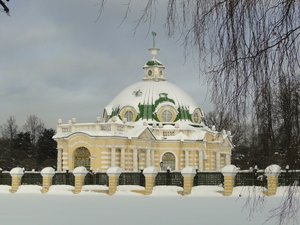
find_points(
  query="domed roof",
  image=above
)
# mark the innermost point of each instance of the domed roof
(153, 99)
(152, 93)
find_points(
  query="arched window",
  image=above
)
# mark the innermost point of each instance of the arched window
(129, 116)
(82, 157)
(166, 116)
(168, 161)
(196, 118)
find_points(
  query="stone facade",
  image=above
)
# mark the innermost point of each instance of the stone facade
(140, 152)
(150, 123)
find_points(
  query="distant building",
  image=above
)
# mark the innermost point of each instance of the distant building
(150, 123)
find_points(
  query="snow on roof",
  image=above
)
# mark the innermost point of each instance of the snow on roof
(147, 92)
(185, 125)
(115, 119)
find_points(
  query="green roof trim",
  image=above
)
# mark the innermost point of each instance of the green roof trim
(146, 111)
(163, 97)
(153, 63)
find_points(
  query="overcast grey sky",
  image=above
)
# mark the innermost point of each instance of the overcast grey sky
(57, 62)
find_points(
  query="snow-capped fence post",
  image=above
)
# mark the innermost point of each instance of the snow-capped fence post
(79, 173)
(229, 173)
(113, 179)
(272, 172)
(47, 174)
(150, 175)
(16, 174)
(188, 174)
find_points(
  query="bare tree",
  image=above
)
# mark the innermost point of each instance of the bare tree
(5, 8)
(250, 53)
(9, 130)
(35, 127)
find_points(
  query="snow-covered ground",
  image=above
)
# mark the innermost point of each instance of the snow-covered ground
(205, 206)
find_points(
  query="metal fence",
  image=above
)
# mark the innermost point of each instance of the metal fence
(5, 178)
(289, 177)
(208, 178)
(64, 178)
(32, 178)
(250, 178)
(169, 178)
(243, 178)
(96, 179)
(132, 179)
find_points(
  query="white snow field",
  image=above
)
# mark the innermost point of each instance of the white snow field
(205, 206)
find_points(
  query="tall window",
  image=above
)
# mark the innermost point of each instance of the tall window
(129, 116)
(82, 158)
(168, 161)
(166, 116)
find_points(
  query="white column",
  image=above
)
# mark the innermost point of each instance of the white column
(228, 159)
(218, 161)
(148, 158)
(135, 160)
(113, 157)
(186, 158)
(152, 158)
(200, 166)
(123, 158)
(59, 159)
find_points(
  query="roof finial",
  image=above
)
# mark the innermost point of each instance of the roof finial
(153, 50)
(154, 35)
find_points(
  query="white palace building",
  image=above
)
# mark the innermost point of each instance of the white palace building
(150, 123)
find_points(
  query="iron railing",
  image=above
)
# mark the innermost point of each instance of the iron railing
(208, 178)
(96, 179)
(63, 178)
(5, 178)
(243, 178)
(250, 178)
(129, 178)
(289, 177)
(32, 178)
(169, 178)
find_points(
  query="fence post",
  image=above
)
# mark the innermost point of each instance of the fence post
(113, 179)
(188, 174)
(79, 173)
(16, 174)
(47, 174)
(272, 172)
(150, 175)
(229, 173)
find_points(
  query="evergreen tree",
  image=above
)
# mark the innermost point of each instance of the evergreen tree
(46, 149)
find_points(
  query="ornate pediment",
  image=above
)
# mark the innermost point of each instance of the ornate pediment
(146, 135)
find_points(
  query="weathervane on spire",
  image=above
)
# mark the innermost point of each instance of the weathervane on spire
(153, 50)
